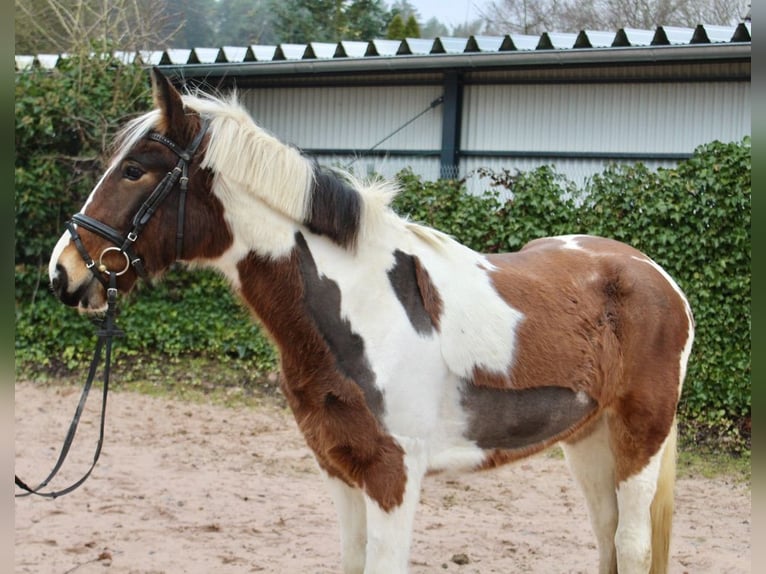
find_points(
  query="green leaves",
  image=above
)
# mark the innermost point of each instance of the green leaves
(63, 118)
(189, 314)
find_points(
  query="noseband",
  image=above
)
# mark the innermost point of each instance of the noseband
(125, 244)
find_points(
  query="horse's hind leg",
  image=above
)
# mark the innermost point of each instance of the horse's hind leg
(349, 502)
(592, 463)
(645, 502)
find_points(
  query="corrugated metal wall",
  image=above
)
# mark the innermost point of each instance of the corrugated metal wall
(332, 118)
(656, 118)
(531, 124)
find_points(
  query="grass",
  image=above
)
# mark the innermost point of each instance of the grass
(195, 380)
(704, 462)
(700, 461)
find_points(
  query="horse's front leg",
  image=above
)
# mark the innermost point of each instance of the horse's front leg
(389, 532)
(352, 515)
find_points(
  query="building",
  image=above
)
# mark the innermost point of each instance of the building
(447, 106)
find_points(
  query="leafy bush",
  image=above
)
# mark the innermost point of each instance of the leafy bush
(187, 315)
(542, 203)
(64, 119)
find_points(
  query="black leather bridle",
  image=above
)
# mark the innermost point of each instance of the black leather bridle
(125, 244)
(108, 278)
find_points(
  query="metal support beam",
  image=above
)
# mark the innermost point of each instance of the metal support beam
(451, 118)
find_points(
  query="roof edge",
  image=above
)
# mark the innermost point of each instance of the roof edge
(464, 61)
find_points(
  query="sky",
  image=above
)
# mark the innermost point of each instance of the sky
(449, 12)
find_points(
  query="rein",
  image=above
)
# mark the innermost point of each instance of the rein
(106, 334)
(108, 278)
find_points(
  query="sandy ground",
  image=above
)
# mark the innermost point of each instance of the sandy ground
(196, 488)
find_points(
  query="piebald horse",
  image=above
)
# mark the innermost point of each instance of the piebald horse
(403, 352)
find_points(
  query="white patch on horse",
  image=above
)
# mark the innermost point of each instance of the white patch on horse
(422, 398)
(478, 328)
(227, 263)
(408, 366)
(633, 538)
(56, 255)
(254, 224)
(570, 242)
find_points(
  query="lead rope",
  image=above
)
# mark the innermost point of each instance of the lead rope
(107, 332)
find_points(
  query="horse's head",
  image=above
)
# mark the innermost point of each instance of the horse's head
(153, 206)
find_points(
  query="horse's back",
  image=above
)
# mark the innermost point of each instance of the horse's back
(594, 309)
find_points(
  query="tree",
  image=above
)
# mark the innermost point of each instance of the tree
(82, 26)
(537, 16)
(411, 27)
(468, 29)
(433, 28)
(404, 8)
(367, 19)
(396, 28)
(244, 22)
(305, 21)
(198, 23)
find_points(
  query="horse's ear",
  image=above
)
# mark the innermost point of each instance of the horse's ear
(169, 102)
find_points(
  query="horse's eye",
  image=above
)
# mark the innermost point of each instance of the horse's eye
(132, 172)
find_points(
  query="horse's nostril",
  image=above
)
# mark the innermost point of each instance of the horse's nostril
(59, 281)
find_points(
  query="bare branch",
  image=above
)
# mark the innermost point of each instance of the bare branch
(82, 26)
(537, 16)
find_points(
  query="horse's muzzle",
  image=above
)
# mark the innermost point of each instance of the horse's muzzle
(86, 296)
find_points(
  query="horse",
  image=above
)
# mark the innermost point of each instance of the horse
(402, 352)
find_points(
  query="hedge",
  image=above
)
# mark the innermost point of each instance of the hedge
(693, 219)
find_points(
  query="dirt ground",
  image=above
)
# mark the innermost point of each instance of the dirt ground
(185, 487)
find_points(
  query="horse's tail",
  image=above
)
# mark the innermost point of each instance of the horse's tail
(662, 506)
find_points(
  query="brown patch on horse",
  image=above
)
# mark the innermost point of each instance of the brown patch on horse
(600, 320)
(176, 122)
(336, 209)
(329, 407)
(416, 292)
(432, 300)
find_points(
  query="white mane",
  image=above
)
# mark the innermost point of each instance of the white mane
(247, 157)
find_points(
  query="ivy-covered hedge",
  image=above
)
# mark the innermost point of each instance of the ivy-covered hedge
(694, 220)
(65, 118)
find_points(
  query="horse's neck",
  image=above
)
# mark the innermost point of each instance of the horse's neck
(298, 307)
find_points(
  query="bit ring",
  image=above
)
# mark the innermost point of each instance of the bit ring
(104, 269)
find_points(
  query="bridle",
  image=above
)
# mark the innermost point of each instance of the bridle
(108, 278)
(125, 244)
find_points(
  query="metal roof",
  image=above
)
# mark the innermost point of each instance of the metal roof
(548, 44)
